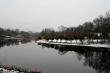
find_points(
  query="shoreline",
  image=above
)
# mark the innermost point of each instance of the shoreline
(74, 44)
(13, 69)
(4, 70)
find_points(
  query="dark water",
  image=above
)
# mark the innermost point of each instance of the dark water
(55, 58)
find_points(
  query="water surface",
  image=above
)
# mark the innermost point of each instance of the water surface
(56, 58)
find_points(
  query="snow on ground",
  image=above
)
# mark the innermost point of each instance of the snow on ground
(50, 40)
(68, 41)
(73, 42)
(59, 40)
(99, 45)
(63, 41)
(2, 70)
(54, 40)
(42, 41)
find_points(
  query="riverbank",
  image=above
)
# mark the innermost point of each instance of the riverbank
(96, 45)
(13, 69)
(3, 70)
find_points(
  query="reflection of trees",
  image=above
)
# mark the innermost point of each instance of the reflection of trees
(8, 43)
(97, 58)
(62, 53)
(99, 61)
(79, 57)
(12, 42)
(25, 41)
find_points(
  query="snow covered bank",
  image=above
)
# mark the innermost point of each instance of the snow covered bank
(2, 70)
(73, 43)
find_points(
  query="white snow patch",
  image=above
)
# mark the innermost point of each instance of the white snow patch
(68, 41)
(63, 41)
(59, 40)
(54, 40)
(2, 70)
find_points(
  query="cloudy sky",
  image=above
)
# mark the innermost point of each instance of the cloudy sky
(34, 15)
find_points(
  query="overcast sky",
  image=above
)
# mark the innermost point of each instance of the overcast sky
(34, 15)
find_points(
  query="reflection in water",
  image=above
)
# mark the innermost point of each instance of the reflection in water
(97, 58)
(25, 41)
(8, 43)
(12, 42)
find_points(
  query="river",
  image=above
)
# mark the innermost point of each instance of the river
(55, 58)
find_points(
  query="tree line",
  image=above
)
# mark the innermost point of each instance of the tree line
(99, 28)
(17, 33)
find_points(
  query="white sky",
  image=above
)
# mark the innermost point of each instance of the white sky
(34, 15)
